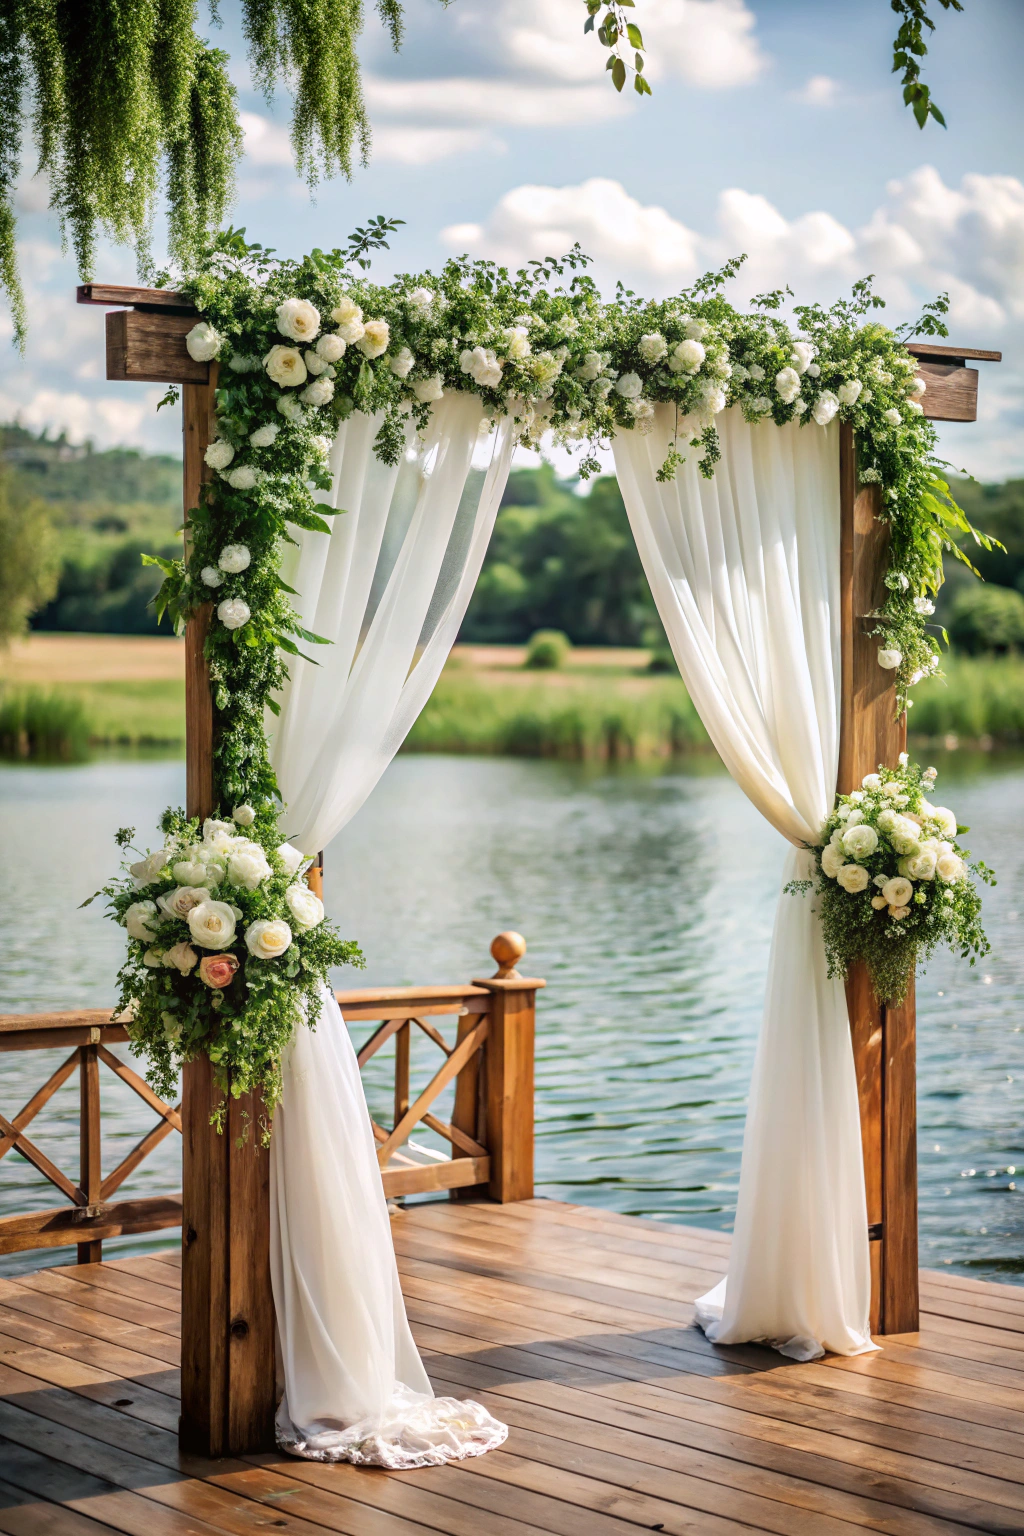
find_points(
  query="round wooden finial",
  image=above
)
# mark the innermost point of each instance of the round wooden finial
(507, 949)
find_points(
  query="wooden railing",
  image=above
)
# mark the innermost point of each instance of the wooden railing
(490, 1061)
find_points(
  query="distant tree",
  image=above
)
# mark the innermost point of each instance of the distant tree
(29, 561)
(987, 618)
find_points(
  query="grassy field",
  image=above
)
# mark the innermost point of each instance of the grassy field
(128, 690)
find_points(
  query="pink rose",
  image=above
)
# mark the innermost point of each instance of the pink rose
(217, 970)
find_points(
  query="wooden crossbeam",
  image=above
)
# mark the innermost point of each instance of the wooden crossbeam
(41, 1162)
(139, 1086)
(41, 1097)
(139, 1152)
(472, 1043)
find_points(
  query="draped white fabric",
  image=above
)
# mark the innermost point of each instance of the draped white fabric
(389, 587)
(744, 569)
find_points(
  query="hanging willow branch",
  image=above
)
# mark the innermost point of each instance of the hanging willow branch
(127, 100)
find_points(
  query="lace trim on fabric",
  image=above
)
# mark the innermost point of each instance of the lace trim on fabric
(416, 1430)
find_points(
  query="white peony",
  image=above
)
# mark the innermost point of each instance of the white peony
(419, 301)
(291, 858)
(430, 389)
(192, 872)
(348, 317)
(264, 437)
(147, 869)
(215, 832)
(687, 356)
(142, 921)
(290, 408)
(180, 901)
(219, 454)
(813, 371)
(890, 659)
(233, 613)
(860, 841)
(244, 815)
(298, 319)
(802, 355)
(374, 340)
(203, 342)
(799, 406)
(853, 878)
(696, 330)
(949, 867)
(180, 957)
(249, 868)
(825, 408)
(402, 363)
(787, 384)
(832, 860)
(482, 366)
(331, 348)
(892, 416)
(285, 366)
(897, 891)
(871, 781)
(306, 909)
(268, 938)
(849, 392)
(653, 347)
(629, 386)
(234, 558)
(591, 367)
(212, 924)
(243, 478)
(320, 392)
(517, 341)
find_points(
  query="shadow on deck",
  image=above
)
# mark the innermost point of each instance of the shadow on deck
(574, 1326)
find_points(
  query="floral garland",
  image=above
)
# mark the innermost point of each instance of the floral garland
(893, 882)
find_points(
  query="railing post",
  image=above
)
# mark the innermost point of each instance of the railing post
(90, 1147)
(508, 1070)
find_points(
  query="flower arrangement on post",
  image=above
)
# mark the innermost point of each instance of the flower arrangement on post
(893, 882)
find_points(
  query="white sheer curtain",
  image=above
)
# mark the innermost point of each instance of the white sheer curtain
(389, 587)
(744, 569)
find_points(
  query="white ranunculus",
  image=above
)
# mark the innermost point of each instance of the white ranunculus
(268, 938)
(307, 910)
(243, 815)
(905, 835)
(802, 356)
(285, 366)
(180, 901)
(142, 921)
(919, 866)
(212, 924)
(419, 301)
(889, 658)
(629, 386)
(233, 612)
(590, 368)
(892, 416)
(832, 860)
(249, 868)
(430, 389)
(825, 407)
(860, 841)
(787, 385)
(897, 891)
(298, 319)
(234, 558)
(265, 437)
(203, 342)
(942, 816)
(219, 454)
(374, 340)
(291, 858)
(949, 867)
(401, 364)
(242, 478)
(687, 356)
(871, 781)
(320, 392)
(517, 342)
(180, 957)
(653, 347)
(849, 391)
(331, 348)
(147, 869)
(853, 878)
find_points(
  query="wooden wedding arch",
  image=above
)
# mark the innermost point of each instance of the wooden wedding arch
(227, 1382)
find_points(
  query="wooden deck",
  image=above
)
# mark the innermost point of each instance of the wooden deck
(572, 1325)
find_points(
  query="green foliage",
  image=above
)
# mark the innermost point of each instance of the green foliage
(622, 37)
(51, 727)
(909, 48)
(548, 651)
(29, 562)
(979, 697)
(987, 618)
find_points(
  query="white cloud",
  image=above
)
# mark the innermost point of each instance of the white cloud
(266, 142)
(109, 421)
(417, 145)
(463, 99)
(818, 91)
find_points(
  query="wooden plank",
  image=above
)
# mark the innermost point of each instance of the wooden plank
(39, 1160)
(84, 1291)
(23, 1513)
(59, 1226)
(74, 1018)
(950, 352)
(83, 1319)
(90, 1178)
(442, 1077)
(48, 1039)
(358, 996)
(41, 1097)
(149, 348)
(204, 1269)
(155, 298)
(508, 1068)
(951, 393)
(251, 1398)
(402, 1043)
(427, 1178)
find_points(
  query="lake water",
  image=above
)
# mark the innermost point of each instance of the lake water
(647, 898)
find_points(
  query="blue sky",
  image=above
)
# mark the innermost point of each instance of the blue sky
(775, 128)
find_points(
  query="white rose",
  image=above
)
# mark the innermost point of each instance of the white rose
(243, 478)
(330, 349)
(420, 300)
(142, 921)
(315, 364)
(402, 363)
(890, 659)
(153, 958)
(290, 408)
(180, 901)
(249, 868)
(348, 317)
(482, 365)
(546, 366)
(878, 902)
(234, 558)
(687, 356)
(853, 878)
(243, 815)
(306, 909)
(919, 866)
(219, 454)
(860, 841)
(892, 416)
(787, 383)
(825, 408)
(949, 867)
(849, 391)
(298, 319)
(832, 860)
(212, 924)
(285, 366)
(854, 816)
(802, 356)
(268, 938)
(263, 437)
(871, 781)
(430, 389)
(944, 818)
(590, 368)
(319, 392)
(897, 891)
(517, 341)
(629, 386)
(291, 858)
(374, 340)
(714, 401)
(653, 347)
(233, 613)
(180, 957)
(147, 869)
(192, 872)
(905, 836)
(203, 342)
